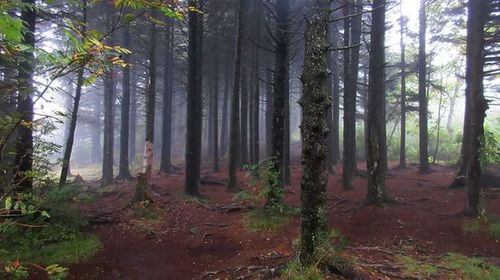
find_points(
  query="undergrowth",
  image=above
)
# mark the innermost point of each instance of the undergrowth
(471, 268)
(451, 266)
(326, 259)
(416, 268)
(36, 230)
(294, 271)
(269, 218)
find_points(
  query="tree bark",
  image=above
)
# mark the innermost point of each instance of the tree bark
(244, 114)
(168, 77)
(315, 103)
(422, 95)
(109, 100)
(269, 110)
(96, 154)
(351, 56)
(225, 117)
(477, 15)
(376, 139)
(133, 118)
(26, 90)
(402, 148)
(255, 109)
(234, 130)
(276, 164)
(124, 170)
(150, 108)
(335, 132)
(194, 100)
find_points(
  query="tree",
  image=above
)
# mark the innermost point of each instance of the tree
(422, 94)
(74, 113)
(315, 103)
(194, 99)
(168, 78)
(276, 163)
(476, 104)
(351, 61)
(255, 96)
(124, 170)
(26, 90)
(334, 88)
(150, 107)
(234, 129)
(109, 100)
(376, 131)
(402, 149)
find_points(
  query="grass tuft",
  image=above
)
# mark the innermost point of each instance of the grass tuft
(294, 271)
(269, 219)
(495, 230)
(243, 196)
(148, 213)
(471, 268)
(416, 268)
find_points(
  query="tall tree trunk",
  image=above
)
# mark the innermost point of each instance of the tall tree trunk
(350, 91)
(276, 163)
(402, 148)
(26, 90)
(109, 100)
(333, 88)
(215, 116)
(194, 100)
(269, 110)
(96, 155)
(336, 99)
(244, 115)
(225, 117)
(376, 145)
(234, 130)
(477, 17)
(74, 112)
(422, 96)
(133, 118)
(286, 142)
(438, 124)
(150, 108)
(315, 103)
(256, 90)
(124, 170)
(168, 77)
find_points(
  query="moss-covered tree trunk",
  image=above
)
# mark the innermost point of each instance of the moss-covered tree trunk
(376, 138)
(477, 15)
(26, 90)
(315, 104)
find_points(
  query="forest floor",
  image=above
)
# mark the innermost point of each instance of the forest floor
(422, 235)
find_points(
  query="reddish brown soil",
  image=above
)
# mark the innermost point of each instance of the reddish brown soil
(190, 240)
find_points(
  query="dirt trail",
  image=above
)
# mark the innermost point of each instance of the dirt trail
(190, 240)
